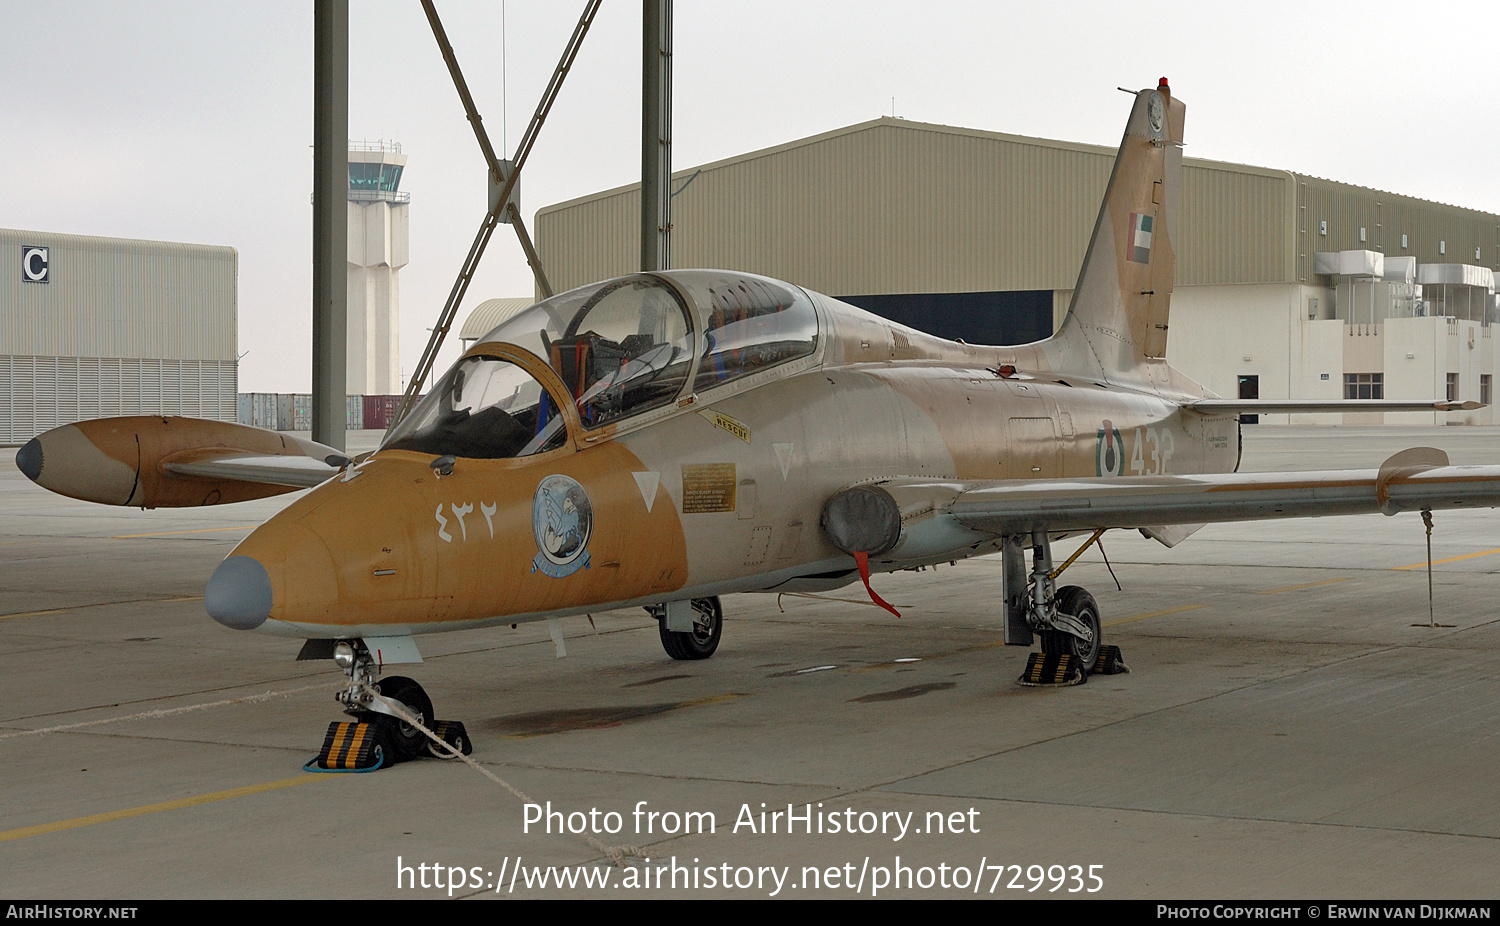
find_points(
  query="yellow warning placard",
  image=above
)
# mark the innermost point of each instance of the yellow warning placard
(732, 425)
(707, 487)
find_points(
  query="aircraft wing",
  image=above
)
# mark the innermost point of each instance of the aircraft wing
(1283, 406)
(281, 470)
(1419, 481)
(1416, 479)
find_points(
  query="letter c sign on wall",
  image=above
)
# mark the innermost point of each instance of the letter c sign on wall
(34, 264)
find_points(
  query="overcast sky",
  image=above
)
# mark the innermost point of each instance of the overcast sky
(192, 121)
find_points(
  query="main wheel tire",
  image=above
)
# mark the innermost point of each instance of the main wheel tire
(1072, 599)
(406, 740)
(703, 639)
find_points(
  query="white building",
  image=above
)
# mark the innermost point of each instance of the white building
(92, 327)
(379, 234)
(1370, 327)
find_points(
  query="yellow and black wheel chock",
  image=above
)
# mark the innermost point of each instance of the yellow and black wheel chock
(1110, 662)
(364, 746)
(353, 746)
(453, 733)
(1058, 670)
(1052, 670)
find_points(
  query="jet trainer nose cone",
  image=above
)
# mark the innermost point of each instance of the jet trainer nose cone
(239, 593)
(29, 459)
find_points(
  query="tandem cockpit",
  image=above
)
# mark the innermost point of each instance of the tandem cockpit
(627, 351)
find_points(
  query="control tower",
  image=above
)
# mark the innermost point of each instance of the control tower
(379, 225)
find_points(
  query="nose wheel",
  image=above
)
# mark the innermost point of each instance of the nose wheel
(392, 717)
(406, 740)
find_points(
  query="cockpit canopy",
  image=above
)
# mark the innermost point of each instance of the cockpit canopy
(484, 408)
(621, 348)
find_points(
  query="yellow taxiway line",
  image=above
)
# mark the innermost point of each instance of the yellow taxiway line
(211, 797)
(1451, 559)
(1141, 617)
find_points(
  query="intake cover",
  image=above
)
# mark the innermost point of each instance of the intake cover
(865, 519)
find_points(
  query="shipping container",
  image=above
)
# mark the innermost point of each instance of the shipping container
(302, 412)
(380, 411)
(286, 411)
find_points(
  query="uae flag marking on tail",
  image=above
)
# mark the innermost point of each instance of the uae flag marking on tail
(1140, 237)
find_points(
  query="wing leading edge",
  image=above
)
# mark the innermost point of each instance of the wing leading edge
(1282, 406)
(1416, 479)
(290, 471)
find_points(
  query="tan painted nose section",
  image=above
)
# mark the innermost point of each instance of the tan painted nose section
(282, 571)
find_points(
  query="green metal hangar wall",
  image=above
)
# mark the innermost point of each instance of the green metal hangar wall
(1288, 286)
(91, 327)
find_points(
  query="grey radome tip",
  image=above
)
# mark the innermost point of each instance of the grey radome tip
(239, 593)
(29, 459)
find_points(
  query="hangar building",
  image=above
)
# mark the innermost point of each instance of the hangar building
(91, 327)
(1288, 286)
(487, 315)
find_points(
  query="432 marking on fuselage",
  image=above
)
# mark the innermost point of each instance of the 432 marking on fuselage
(1110, 451)
(1162, 444)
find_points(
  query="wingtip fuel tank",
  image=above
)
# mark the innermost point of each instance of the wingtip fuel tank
(146, 461)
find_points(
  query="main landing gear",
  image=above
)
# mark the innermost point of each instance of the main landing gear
(390, 716)
(1066, 619)
(689, 634)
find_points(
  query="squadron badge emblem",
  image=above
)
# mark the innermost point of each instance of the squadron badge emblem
(562, 518)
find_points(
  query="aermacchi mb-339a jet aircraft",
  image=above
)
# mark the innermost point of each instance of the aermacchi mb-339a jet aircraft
(663, 439)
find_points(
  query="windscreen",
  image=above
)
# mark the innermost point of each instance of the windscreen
(484, 408)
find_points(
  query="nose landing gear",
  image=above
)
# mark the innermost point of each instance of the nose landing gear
(392, 721)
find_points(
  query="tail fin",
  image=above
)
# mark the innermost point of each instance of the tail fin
(1117, 323)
